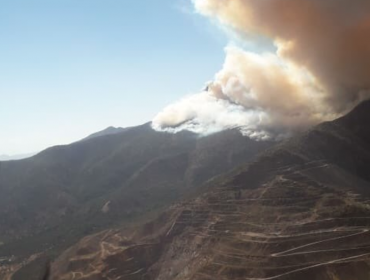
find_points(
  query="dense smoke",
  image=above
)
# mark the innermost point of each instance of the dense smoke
(320, 68)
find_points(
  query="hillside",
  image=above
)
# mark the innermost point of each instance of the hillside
(49, 201)
(301, 210)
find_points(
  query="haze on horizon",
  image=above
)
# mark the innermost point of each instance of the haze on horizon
(70, 68)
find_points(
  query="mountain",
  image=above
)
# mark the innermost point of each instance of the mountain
(300, 210)
(50, 201)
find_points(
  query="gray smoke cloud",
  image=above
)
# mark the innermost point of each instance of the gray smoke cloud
(319, 69)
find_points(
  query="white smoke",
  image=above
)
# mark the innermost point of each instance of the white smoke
(274, 94)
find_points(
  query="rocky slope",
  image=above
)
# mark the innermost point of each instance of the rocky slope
(51, 200)
(300, 211)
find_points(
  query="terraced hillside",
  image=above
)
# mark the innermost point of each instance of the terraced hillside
(301, 211)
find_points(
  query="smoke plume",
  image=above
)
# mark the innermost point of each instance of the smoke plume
(319, 69)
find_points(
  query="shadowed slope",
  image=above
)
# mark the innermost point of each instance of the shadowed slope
(53, 199)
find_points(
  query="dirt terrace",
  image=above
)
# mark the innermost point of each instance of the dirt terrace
(295, 225)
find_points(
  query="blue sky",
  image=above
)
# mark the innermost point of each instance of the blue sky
(72, 67)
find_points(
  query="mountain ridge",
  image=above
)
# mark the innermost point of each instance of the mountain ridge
(107, 131)
(300, 210)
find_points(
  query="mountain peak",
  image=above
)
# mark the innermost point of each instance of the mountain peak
(108, 131)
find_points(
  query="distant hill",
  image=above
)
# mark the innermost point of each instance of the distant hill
(108, 131)
(50, 201)
(301, 210)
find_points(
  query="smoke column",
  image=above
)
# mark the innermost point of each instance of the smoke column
(319, 68)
